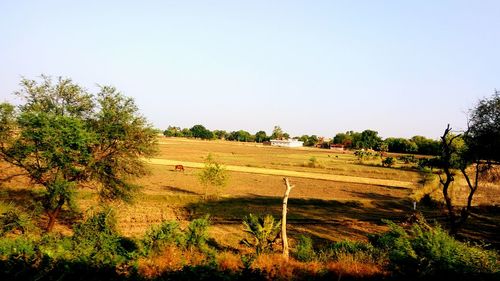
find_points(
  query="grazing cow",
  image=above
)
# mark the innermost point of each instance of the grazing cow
(179, 168)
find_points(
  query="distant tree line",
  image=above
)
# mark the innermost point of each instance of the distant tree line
(200, 132)
(367, 139)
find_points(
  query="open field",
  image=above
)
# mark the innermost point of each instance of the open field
(338, 199)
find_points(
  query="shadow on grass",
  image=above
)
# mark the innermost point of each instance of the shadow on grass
(321, 219)
(178, 190)
(301, 210)
(27, 200)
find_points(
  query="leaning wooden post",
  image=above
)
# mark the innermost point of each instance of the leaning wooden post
(284, 238)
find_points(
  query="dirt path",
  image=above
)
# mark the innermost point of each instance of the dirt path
(287, 173)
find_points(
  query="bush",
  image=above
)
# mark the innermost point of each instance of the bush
(388, 161)
(197, 233)
(159, 236)
(97, 241)
(14, 220)
(357, 250)
(305, 250)
(56, 247)
(421, 250)
(21, 247)
(264, 231)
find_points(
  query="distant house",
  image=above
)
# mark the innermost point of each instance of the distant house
(287, 143)
(338, 147)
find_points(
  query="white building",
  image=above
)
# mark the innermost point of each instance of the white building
(287, 143)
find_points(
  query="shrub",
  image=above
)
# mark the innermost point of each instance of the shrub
(14, 220)
(264, 231)
(314, 163)
(159, 236)
(21, 247)
(97, 241)
(421, 250)
(56, 247)
(197, 233)
(305, 250)
(388, 161)
(351, 250)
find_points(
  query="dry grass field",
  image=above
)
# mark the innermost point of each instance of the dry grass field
(340, 198)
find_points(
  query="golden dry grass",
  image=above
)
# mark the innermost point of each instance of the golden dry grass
(324, 209)
(289, 173)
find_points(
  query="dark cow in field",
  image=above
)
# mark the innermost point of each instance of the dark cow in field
(179, 168)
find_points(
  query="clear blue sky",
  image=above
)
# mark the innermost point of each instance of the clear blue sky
(402, 68)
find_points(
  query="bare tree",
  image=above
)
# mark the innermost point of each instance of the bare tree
(284, 238)
(447, 164)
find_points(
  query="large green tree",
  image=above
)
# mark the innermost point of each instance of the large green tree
(199, 131)
(261, 136)
(241, 135)
(63, 138)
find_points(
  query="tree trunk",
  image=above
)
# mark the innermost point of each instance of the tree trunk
(472, 189)
(446, 159)
(284, 238)
(53, 214)
(52, 218)
(449, 205)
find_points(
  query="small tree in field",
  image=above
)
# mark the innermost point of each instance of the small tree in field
(213, 175)
(264, 231)
(63, 137)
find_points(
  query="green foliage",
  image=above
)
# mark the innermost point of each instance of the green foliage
(314, 163)
(63, 136)
(241, 135)
(388, 162)
(305, 250)
(346, 139)
(279, 134)
(199, 131)
(369, 139)
(15, 220)
(426, 146)
(421, 250)
(159, 236)
(124, 137)
(97, 241)
(363, 155)
(169, 233)
(359, 250)
(264, 231)
(221, 134)
(261, 136)
(214, 175)
(401, 145)
(309, 140)
(483, 135)
(21, 247)
(197, 233)
(7, 122)
(173, 131)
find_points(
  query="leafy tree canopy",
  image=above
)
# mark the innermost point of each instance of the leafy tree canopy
(63, 137)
